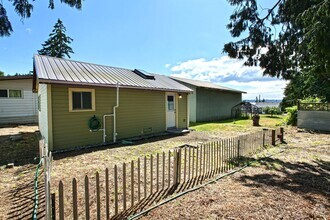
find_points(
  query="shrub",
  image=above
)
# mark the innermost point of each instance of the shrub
(272, 110)
(292, 115)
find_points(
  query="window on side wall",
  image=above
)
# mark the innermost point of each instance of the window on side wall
(10, 93)
(81, 99)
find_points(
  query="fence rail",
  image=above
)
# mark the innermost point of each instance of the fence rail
(132, 187)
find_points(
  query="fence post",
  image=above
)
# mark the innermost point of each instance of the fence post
(238, 148)
(264, 130)
(273, 137)
(53, 207)
(282, 134)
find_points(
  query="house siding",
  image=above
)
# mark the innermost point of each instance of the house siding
(43, 113)
(18, 110)
(140, 112)
(214, 104)
(182, 111)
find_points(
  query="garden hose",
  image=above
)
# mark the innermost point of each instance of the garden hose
(36, 199)
(94, 123)
(138, 215)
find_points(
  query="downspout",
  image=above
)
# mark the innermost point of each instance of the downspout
(114, 116)
(114, 119)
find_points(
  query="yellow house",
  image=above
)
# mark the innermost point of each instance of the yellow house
(82, 104)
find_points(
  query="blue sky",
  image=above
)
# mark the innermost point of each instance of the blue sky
(184, 38)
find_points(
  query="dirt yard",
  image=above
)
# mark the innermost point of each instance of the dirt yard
(293, 184)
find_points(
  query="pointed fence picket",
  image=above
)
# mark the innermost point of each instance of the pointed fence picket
(138, 184)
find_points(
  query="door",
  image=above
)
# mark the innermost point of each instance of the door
(170, 110)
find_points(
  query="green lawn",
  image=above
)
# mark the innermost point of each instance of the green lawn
(239, 124)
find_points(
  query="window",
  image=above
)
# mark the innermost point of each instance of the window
(10, 93)
(4, 93)
(15, 94)
(81, 99)
(170, 102)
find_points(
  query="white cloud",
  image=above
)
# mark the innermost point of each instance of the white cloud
(167, 65)
(232, 73)
(29, 30)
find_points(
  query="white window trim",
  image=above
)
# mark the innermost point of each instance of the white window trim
(22, 94)
(81, 90)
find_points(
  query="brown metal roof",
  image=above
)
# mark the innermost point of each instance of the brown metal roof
(64, 71)
(204, 84)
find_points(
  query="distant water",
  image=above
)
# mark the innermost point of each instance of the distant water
(266, 100)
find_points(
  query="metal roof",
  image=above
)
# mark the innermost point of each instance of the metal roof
(204, 84)
(64, 71)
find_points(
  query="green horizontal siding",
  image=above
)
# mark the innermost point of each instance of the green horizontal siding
(182, 111)
(215, 104)
(139, 110)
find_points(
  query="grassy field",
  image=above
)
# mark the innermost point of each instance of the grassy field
(240, 124)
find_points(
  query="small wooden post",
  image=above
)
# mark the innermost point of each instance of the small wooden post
(86, 197)
(107, 209)
(157, 172)
(163, 171)
(189, 156)
(264, 130)
(124, 186)
(185, 164)
(61, 201)
(197, 149)
(74, 199)
(132, 183)
(139, 181)
(238, 149)
(145, 177)
(98, 200)
(116, 189)
(273, 137)
(282, 134)
(151, 174)
(193, 163)
(169, 169)
(53, 206)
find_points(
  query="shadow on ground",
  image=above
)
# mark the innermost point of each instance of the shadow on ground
(21, 151)
(22, 197)
(305, 179)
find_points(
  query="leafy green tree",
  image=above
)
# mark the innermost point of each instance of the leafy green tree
(58, 43)
(24, 9)
(2, 73)
(287, 40)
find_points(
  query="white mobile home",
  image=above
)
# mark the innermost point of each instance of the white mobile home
(18, 104)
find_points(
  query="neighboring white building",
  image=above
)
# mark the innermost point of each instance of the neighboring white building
(18, 105)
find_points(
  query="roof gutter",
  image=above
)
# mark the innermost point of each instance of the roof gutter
(111, 86)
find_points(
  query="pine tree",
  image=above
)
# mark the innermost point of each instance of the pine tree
(24, 9)
(58, 43)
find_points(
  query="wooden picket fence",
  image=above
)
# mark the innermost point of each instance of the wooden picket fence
(132, 187)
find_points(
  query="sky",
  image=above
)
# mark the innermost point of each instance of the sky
(182, 38)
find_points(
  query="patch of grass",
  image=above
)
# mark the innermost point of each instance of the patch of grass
(238, 125)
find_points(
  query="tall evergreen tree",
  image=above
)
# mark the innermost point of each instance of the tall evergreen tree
(58, 43)
(24, 10)
(290, 40)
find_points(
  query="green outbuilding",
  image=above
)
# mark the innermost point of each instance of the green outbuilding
(84, 104)
(209, 101)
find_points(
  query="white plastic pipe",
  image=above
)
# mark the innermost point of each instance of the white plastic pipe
(104, 133)
(114, 116)
(114, 119)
